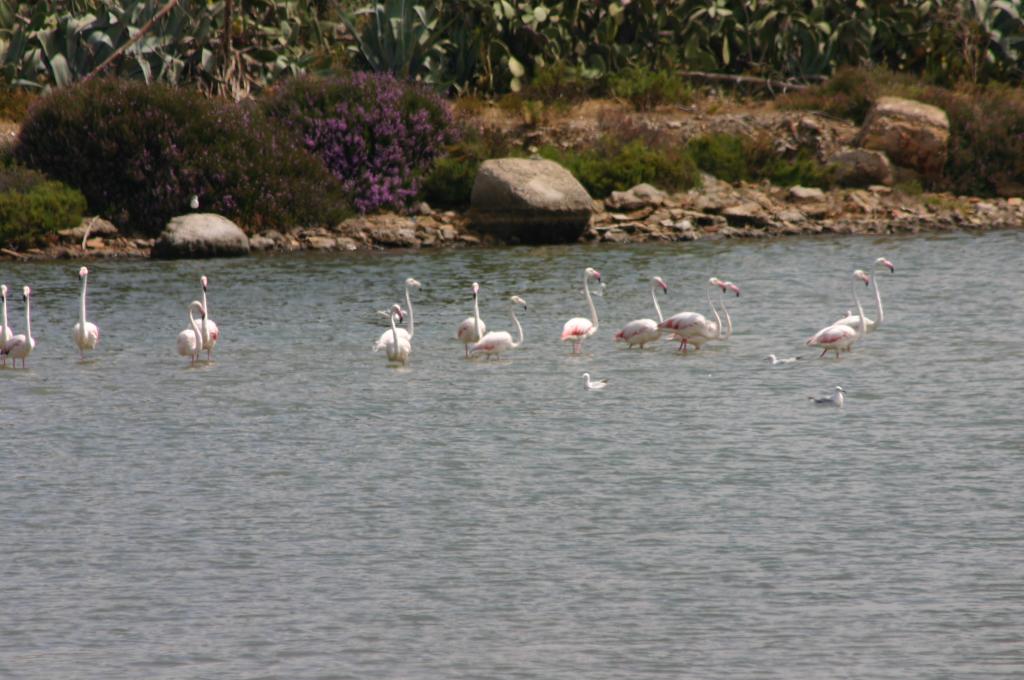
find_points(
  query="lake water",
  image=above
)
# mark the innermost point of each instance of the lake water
(298, 509)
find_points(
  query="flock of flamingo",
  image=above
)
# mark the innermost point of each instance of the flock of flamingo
(689, 328)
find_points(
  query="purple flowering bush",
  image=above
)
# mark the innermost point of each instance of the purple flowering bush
(139, 152)
(377, 135)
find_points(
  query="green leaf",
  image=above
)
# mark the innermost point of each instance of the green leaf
(61, 73)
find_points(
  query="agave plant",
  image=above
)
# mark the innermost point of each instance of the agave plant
(398, 37)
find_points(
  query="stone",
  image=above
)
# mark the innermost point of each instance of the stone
(93, 226)
(261, 242)
(321, 243)
(799, 194)
(862, 168)
(641, 196)
(749, 213)
(201, 235)
(912, 134)
(525, 200)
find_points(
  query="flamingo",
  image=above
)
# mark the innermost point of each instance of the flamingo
(596, 385)
(21, 345)
(835, 399)
(692, 328)
(402, 332)
(839, 336)
(396, 346)
(190, 340)
(851, 319)
(496, 342)
(579, 329)
(5, 330)
(642, 331)
(85, 334)
(472, 328)
(210, 332)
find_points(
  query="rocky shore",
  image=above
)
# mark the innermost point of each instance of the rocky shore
(715, 211)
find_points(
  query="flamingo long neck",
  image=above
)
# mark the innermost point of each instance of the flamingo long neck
(408, 303)
(728, 319)
(5, 313)
(194, 325)
(860, 310)
(476, 315)
(654, 296)
(81, 309)
(394, 329)
(718, 319)
(203, 326)
(28, 317)
(519, 327)
(590, 300)
(878, 296)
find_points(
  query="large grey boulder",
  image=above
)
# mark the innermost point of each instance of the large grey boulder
(201, 235)
(912, 134)
(861, 168)
(522, 200)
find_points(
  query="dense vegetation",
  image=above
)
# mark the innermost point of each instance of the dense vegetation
(139, 153)
(496, 46)
(33, 207)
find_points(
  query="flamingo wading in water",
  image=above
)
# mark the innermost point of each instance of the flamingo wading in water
(642, 331)
(496, 342)
(209, 330)
(851, 319)
(403, 332)
(578, 328)
(5, 330)
(693, 328)
(190, 340)
(839, 336)
(21, 345)
(85, 334)
(472, 328)
(397, 347)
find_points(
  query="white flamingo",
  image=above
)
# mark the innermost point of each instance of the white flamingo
(190, 340)
(642, 331)
(5, 331)
(851, 319)
(21, 345)
(472, 328)
(595, 385)
(693, 328)
(496, 342)
(396, 346)
(839, 336)
(84, 333)
(209, 330)
(578, 328)
(405, 333)
(836, 399)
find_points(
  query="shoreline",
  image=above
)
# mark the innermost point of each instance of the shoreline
(716, 211)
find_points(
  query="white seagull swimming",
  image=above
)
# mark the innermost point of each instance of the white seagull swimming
(836, 399)
(785, 360)
(596, 385)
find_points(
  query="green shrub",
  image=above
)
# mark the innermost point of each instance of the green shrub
(722, 155)
(614, 164)
(646, 89)
(449, 183)
(139, 152)
(561, 83)
(851, 92)
(32, 207)
(735, 158)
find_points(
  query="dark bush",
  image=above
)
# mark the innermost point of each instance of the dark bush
(561, 83)
(138, 152)
(615, 164)
(646, 89)
(449, 183)
(14, 102)
(32, 206)
(735, 158)
(374, 133)
(721, 155)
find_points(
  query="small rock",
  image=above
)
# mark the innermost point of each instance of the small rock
(749, 213)
(801, 194)
(201, 235)
(321, 243)
(862, 167)
(261, 242)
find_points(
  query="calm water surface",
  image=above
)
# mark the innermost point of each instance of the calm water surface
(298, 509)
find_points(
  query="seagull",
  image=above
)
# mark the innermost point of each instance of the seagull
(786, 360)
(598, 385)
(194, 202)
(836, 399)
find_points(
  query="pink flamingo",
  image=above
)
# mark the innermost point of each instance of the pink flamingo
(472, 328)
(21, 345)
(190, 340)
(839, 336)
(851, 319)
(579, 329)
(692, 328)
(496, 342)
(5, 331)
(642, 331)
(208, 328)
(84, 333)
